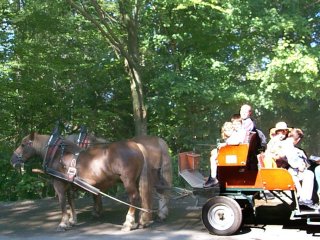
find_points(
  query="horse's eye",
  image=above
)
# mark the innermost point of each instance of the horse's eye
(23, 145)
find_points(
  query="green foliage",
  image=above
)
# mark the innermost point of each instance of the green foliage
(17, 184)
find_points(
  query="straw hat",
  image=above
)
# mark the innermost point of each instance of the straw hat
(281, 126)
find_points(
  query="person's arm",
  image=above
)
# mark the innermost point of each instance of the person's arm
(296, 158)
(234, 139)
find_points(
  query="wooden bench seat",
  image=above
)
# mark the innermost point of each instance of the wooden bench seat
(233, 155)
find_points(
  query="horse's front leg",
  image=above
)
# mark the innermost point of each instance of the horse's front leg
(71, 200)
(60, 189)
(97, 205)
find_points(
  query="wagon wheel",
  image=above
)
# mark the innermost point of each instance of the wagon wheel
(222, 215)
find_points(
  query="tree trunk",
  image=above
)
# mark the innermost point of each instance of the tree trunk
(139, 108)
(130, 16)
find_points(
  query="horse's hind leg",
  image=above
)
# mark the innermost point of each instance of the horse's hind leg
(130, 220)
(60, 189)
(134, 199)
(97, 205)
(73, 217)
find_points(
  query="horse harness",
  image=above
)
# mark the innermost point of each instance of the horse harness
(71, 176)
(83, 139)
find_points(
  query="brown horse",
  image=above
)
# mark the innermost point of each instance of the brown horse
(100, 166)
(159, 162)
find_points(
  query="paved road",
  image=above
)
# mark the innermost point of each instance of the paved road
(39, 219)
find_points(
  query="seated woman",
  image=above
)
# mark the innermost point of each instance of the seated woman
(233, 134)
(272, 155)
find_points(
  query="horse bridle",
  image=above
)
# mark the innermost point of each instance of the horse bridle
(20, 155)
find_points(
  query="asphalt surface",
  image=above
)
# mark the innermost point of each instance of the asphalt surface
(39, 219)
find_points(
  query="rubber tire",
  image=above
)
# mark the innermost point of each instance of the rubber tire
(227, 208)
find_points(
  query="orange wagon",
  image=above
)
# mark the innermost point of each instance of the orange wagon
(240, 180)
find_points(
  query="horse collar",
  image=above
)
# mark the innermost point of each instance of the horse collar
(51, 151)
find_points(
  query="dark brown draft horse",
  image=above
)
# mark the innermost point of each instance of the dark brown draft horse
(159, 166)
(100, 166)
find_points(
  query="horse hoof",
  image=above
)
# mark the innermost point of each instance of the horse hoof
(126, 229)
(159, 220)
(162, 216)
(72, 222)
(96, 214)
(61, 229)
(145, 224)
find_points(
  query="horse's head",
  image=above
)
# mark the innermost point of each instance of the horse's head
(24, 151)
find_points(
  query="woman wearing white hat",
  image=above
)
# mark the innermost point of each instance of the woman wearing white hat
(274, 156)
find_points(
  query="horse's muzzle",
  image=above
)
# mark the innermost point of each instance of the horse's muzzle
(16, 161)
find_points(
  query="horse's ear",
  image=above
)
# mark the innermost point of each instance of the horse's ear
(32, 135)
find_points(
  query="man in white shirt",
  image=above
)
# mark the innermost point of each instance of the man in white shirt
(245, 113)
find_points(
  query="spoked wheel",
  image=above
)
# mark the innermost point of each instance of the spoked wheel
(222, 215)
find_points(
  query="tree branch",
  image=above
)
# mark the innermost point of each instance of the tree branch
(115, 45)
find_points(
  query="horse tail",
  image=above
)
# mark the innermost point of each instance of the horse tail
(145, 189)
(165, 180)
(166, 164)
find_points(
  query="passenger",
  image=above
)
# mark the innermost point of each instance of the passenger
(239, 134)
(298, 167)
(245, 113)
(233, 134)
(249, 125)
(269, 161)
(317, 176)
(272, 132)
(283, 151)
(274, 156)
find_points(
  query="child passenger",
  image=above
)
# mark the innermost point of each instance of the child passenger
(233, 134)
